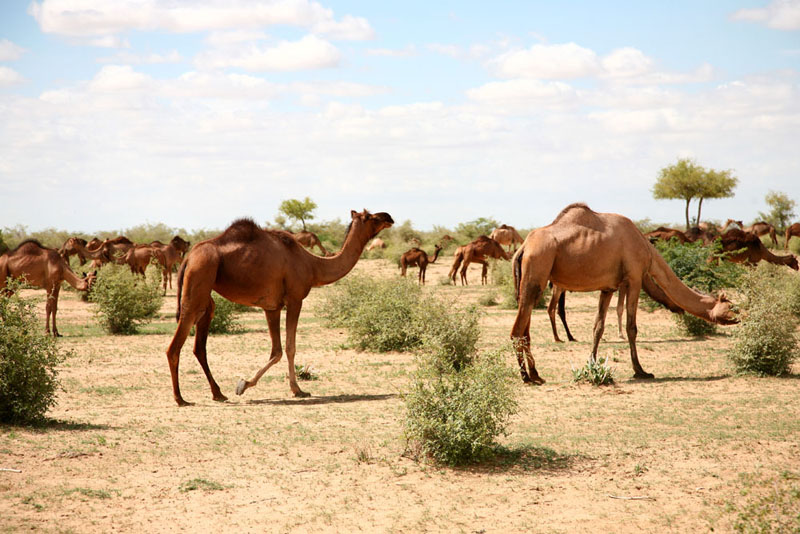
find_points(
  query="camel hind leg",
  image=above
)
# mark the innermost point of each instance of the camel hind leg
(51, 308)
(632, 330)
(274, 325)
(551, 311)
(600, 321)
(562, 314)
(200, 340)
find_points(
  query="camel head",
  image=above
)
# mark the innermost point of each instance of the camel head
(89, 279)
(374, 223)
(793, 263)
(722, 312)
(180, 244)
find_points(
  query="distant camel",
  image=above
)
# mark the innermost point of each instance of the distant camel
(168, 256)
(762, 228)
(76, 245)
(793, 230)
(138, 257)
(42, 267)
(506, 235)
(268, 269)
(746, 247)
(68, 249)
(310, 240)
(731, 223)
(418, 257)
(115, 249)
(697, 233)
(476, 252)
(376, 243)
(582, 250)
(665, 234)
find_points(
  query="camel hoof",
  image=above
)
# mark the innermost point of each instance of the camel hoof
(240, 387)
(301, 394)
(220, 398)
(182, 403)
(537, 380)
(644, 376)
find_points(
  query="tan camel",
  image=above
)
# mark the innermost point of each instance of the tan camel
(310, 240)
(747, 248)
(506, 235)
(268, 269)
(376, 243)
(168, 256)
(476, 252)
(586, 251)
(731, 223)
(762, 228)
(42, 267)
(418, 257)
(792, 230)
(665, 234)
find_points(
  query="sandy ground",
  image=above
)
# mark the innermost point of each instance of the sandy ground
(686, 452)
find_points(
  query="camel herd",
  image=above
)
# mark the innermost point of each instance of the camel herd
(581, 250)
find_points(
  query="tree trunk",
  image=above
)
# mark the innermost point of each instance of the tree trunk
(699, 207)
(687, 212)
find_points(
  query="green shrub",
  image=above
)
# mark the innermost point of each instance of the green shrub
(694, 326)
(125, 301)
(500, 273)
(225, 312)
(449, 334)
(597, 372)
(765, 343)
(453, 416)
(28, 361)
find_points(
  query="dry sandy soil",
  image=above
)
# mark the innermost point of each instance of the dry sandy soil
(687, 452)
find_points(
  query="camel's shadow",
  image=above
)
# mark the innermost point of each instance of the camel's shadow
(679, 379)
(330, 399)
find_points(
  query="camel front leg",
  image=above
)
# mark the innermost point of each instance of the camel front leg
(632, 330)
(200, 339)
(274, 324)
(292, 317)
(551, 311)
(600, 320)
(521, 336)
(51, 308)
(623, 291)
(174, 355)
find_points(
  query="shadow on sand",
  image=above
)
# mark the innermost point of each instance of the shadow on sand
(332, 399)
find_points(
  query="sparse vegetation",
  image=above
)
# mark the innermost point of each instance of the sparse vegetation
(597, 372)
(125, 301)
(225, 314)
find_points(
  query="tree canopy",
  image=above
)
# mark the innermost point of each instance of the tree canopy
(781, 210)
(686, 180)
(298, 210)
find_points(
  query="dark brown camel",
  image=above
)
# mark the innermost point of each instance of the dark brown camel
(310, 240)
(268, 269)
(76, 245)
(68, 249)
(696, 233)
(138, 257)
(792, 230)
(476, 252)
(168, 256)
(747, 248)
(582, 250)
(42, 267)
(418, 257)
(665, 234)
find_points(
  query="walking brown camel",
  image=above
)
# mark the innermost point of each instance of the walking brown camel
(665, 234)
(476, 252)
(762, 228)
(746, 247)
(42, 267)
(582, 250)
(506, 235)
(791, 230)
(310, 240)
(268, 269)
(168, 256)
(418, 257)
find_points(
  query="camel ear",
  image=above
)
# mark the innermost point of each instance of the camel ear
(353, 214)
(722, 296)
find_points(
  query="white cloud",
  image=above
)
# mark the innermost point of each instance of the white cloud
(226, 38)
(310, 52)
(9, 77)
(626, 62)
(119, 78)
(525, 94)
(408, 51)
(778, 14)
(562, 61)
(143, 59)
(108, 41)
(445, 49)
(101, 17)
(10, 51)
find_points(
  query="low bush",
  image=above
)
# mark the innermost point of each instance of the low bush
(28, 362)
(597, 372)
(765, 342)
(124, 300)
(453, 417)
(225, 316)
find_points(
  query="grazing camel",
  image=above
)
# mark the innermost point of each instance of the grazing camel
(168, 256)
(76, 245)
(747, 248)
(418, 257)
(476, 252)
(506, 235)
(138, 257)
(582, 250)
(762, 228)
(697, 233)
(792, 230)
(42, 267)
(68, 249)
(310, 240)
(665, 234)
(376, 243)
(268, 269)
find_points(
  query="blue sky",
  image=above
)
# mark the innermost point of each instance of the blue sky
(195, 113)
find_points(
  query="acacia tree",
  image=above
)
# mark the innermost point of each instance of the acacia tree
(686, 180)
(781, 210)
(298, 210)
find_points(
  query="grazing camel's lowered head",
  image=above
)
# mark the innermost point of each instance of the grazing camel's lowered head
(507, 235)
(722, 312)
(747, 248)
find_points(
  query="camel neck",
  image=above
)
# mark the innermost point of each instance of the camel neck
(74, 280)
(687, 298)
(330, 269)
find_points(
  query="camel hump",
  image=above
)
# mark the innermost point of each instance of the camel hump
(573, 206)
(29, 246)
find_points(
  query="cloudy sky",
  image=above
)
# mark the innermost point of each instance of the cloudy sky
(190, 113)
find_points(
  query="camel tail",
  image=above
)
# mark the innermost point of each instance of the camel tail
(181, 270)
(516, 268)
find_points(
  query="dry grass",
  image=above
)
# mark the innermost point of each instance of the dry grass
(120, 455)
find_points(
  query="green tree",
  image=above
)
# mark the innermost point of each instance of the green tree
(781, 210)
(686, 180)
(478, 227)
(298, 210)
